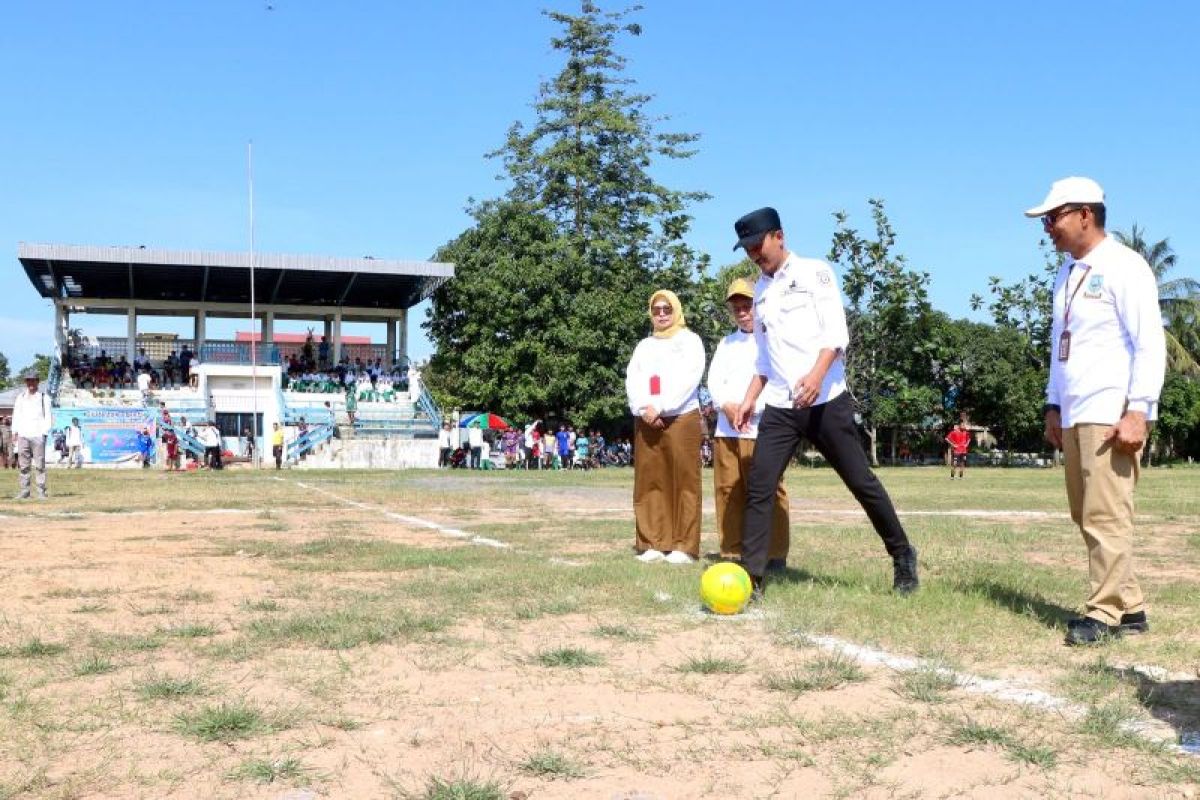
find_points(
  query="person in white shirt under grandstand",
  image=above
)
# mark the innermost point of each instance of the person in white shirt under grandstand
(31, 421)
(74, 444)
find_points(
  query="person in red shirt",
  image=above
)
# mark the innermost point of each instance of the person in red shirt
(960, 441)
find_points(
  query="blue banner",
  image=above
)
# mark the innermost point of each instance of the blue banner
(109, 434)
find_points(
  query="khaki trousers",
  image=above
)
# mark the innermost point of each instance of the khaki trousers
(31, 456)
(666, 485)
(732, 458)
(1100, 481)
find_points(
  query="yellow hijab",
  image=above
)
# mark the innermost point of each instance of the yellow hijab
(677, 321)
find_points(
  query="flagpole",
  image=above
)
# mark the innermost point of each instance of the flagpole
(254, 329)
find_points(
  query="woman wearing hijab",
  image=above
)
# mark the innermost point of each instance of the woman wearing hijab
(661, 382)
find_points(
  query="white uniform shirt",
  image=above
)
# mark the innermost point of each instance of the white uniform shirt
(475, 436)
(443, 439)
(734, 365)
(74, 436)
(1118, 353)
(797, 313)
(678, 362)
(143, 382)
(31, 416)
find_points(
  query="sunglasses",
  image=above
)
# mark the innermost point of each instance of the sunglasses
(1049, 220)
(661, 309)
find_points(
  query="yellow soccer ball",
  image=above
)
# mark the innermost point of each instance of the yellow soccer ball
(725, 588)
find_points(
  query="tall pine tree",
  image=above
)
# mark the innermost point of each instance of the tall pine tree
(552, 280)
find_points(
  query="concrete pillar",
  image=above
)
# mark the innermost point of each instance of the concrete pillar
(201, 319)
(403, 323)
(61, 330)
(336, 342)
(391, 343)
(131, 335)
(268, 328)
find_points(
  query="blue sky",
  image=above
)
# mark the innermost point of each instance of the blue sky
(127, 123)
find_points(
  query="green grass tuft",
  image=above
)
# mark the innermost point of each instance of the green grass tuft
(458, 789)
(164, 687)
(34, 648)
(551, 764)
(192, 631)
(623, 632)
(927, 683)
(222, 723)
(260, 770)
(573, 657)
(94, 664)
(712, 665)
(821, 674)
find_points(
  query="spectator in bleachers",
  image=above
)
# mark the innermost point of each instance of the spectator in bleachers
(141, 362)
(143, 383)
(185, 365)
(170, 369)
(323, 353)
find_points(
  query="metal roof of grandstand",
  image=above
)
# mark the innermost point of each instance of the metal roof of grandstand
(146, 274)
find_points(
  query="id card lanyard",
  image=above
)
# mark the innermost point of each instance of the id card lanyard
(1064, 339)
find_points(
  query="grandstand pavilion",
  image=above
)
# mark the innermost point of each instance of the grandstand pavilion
(235, 378)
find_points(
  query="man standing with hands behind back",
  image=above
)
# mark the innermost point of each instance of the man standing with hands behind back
(1106, 371)
(800, 328)
(31, 421)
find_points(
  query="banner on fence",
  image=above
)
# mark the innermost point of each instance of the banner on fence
(109, 434)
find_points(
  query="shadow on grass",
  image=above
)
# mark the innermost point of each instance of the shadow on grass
(794, 575)
(1175, 702)
(1020, 602)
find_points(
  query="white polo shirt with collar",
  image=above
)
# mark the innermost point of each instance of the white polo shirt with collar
(1118, 356)
(798, 312)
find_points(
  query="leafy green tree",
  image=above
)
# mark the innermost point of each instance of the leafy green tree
(985, 372)
(891, 346)
(40, 365)
(1178, 428)
(1179, 299)
(553, 280)
(5, 380)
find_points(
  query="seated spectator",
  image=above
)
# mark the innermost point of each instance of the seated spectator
(170, 369)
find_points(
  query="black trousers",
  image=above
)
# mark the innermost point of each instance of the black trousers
(830, 427)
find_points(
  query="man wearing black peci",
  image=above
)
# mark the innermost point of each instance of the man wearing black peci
(801, 333)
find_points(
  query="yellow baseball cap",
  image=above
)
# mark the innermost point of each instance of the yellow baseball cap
(740, 286)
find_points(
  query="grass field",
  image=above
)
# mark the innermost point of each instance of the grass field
(474, 636)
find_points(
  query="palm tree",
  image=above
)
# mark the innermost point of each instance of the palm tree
(1178, 298)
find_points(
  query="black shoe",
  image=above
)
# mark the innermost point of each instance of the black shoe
(776, 564)
(1088, 631)
(1134, 623)
(905, 580)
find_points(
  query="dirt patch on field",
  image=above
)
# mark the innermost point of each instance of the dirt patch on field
(164, 618)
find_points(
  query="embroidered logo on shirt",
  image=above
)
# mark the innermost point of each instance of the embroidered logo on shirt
(824, 278)
(1095, 285)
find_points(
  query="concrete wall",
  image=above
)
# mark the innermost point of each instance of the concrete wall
(375, 454)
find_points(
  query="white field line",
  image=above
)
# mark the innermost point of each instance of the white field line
(856, 512)
(416, 522)
(1007, 691)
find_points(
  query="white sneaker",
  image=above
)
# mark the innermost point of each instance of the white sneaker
(651, 555)
(679, 557)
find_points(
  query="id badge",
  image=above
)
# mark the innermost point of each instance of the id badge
(1064, 346)
(655, 386)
